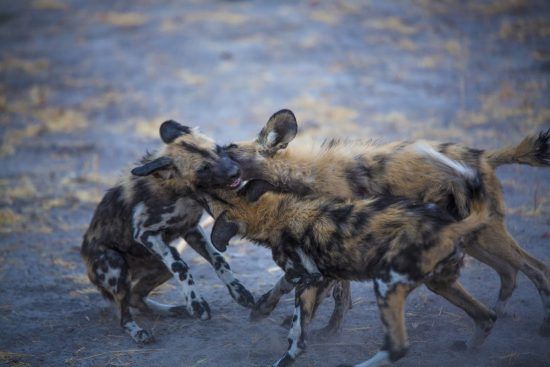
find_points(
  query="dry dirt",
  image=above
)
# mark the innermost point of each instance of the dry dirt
(85, 84)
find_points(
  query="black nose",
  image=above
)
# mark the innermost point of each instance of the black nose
(234, 171)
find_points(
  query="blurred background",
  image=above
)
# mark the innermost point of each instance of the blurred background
(84, 86)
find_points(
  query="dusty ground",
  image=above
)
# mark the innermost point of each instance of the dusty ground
(85, 84)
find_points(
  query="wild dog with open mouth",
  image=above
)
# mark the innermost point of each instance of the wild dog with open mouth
(398, 243)
(127, 245)
(425, 171)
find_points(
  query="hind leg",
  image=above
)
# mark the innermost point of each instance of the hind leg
(144, 284)
(501, 249)
(303, 270)
(109, 271)
(304, 310)
(506, 272)
(268, 301)
(391, 297)
(542, 282)
(454, 292)
(341, 294)
(323, 287)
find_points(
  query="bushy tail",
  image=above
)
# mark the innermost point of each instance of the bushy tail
(534, 150)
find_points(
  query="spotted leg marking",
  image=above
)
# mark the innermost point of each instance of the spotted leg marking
(298, 266)
(312, 274)
(197, 239)
(304, 307)
(267, 302)
(109, 272)
(391, 293)
(342, 303)
(195, 304)
(148, 232)
(139, 335)
(304, 271)
(323, 288)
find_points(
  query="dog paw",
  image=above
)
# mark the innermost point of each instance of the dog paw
(201, 309)
(241, 294)
(286, 360)
(262, 308)
(143, 337)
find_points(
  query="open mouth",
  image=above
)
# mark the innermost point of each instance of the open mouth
(236, 183)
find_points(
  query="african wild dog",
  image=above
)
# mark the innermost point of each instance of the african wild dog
(423, 171)
(398, 243)
(127, 245)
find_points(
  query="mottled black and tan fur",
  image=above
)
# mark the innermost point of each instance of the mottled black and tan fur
(398, 243)
(419, 170)
(127, 245)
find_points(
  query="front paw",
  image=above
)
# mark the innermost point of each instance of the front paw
(241, 294)
(200, 309)
(262, 308)
(143, 337)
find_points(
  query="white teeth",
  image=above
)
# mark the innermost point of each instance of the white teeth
(243, 184)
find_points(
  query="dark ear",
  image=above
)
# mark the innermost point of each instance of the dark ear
(170, 130)
(158, 164)
(254, 189)
(223, 231)
(281, 129)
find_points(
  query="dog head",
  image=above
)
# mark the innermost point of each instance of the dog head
(190, 160)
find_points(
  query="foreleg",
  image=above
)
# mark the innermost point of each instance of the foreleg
(197, 239)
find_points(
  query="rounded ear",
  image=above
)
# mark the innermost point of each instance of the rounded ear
(170, 130)
(222, 231)
(281, 129)
(156, 165)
